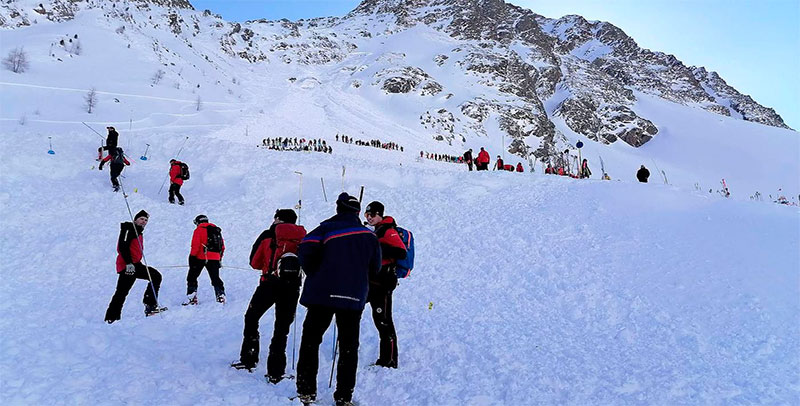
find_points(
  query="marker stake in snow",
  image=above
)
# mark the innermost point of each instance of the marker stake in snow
(50, 151)
(343, 170)
(144, 157)
(325, 195)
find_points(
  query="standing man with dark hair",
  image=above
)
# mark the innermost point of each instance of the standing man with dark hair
(339, 257)
(130, 248)
(112, 140)
(275, 254)
(207, 250)
(383, 284)
(499, 165)
(483, 160)
(175, 181)
(118, 163)
(468, 158)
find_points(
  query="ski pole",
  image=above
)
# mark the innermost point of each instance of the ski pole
(361, 194)
(141, 247)
(176, 157)
(325, 195)
(333, 362)
(294, 337)
(343, 170)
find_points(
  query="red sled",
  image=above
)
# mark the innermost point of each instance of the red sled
(509, 168)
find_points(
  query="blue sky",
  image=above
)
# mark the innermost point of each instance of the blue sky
(753, 44)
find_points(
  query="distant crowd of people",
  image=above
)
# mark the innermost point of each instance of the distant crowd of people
(294, 144)
(441, 157)
(375, 143)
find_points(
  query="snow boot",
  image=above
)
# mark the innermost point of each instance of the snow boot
(191, 300)
(151, 310)
(221, 298)
(242, 365)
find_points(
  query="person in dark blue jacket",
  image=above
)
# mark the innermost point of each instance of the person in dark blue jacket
(338, 258)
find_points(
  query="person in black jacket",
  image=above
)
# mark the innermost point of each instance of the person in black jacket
(643, 174)
(112, 140)
(468, 158)
(117, 163)
(339, 257)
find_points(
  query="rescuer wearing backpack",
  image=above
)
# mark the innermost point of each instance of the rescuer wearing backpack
(275, 254)
(118, 162)
(178, 172)
(382, 285)
(207, 250)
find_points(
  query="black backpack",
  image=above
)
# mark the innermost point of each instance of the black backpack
(119, 157)
(214, 240)
(184, 171)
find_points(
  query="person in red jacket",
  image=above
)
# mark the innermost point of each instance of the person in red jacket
(549, 170)
(130, 246)
(117, 163)
(499, 165)
(519, 167)
(207, 250)
(175, 181)
(483, 160)
(275, 254)
(382, 286)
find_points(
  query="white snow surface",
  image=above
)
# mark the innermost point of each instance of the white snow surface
(528, 289)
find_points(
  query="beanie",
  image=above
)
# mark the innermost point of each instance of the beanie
(141, 213)
(200, 219)
(286, 215)
(347, 204)
(375, 207)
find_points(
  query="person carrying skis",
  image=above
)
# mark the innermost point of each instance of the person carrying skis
(274, 253)
(468, 158)
(339, 258)
(111, 143)
(117, 163)
(483, 160)
(499, 166)
(175, 181)
(585, 172)
(383, 284)
(642, 174)
(130, 251)
(207, 250)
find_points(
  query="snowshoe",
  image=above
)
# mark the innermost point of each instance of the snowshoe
(340, 402)
(305, 399)
(151, 310)
(221, 298)
(242, 365)
(191, 300)
(276, 379)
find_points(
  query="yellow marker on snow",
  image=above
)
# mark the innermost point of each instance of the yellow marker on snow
(430, 305)
(135, 190)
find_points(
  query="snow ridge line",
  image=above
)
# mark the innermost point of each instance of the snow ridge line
(68, 89)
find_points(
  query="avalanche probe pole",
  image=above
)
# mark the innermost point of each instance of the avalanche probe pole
(299, 208)
(335, 347)
(325, 195)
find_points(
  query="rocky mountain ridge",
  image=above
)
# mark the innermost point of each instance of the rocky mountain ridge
(530, 72)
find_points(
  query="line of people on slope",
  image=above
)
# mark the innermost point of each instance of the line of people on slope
(293, 144)
(441, 157)
(117, 161)
(375, 143)
(346, 265)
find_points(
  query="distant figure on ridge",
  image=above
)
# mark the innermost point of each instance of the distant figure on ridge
(642, 174)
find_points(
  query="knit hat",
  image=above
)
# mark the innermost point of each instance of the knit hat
(141, 213)
(286, 215)
(375, 207)
(347, 204)
(200, 219)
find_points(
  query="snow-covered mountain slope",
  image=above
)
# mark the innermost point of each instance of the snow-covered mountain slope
(529, 289)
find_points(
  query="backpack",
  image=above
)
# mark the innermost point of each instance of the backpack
(214, 240)
(404, 266)
(184, 171)
(119, 157)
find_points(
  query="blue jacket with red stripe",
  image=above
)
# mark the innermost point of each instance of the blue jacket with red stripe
(338, 258)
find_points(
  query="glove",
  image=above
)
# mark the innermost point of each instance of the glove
(130, 269)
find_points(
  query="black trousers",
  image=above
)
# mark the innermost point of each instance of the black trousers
(284, 296)
(196, 268)
(115, 170)
(380, 299)
(124, 285)
(175, 190)
(469, 165)
(318, 318)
